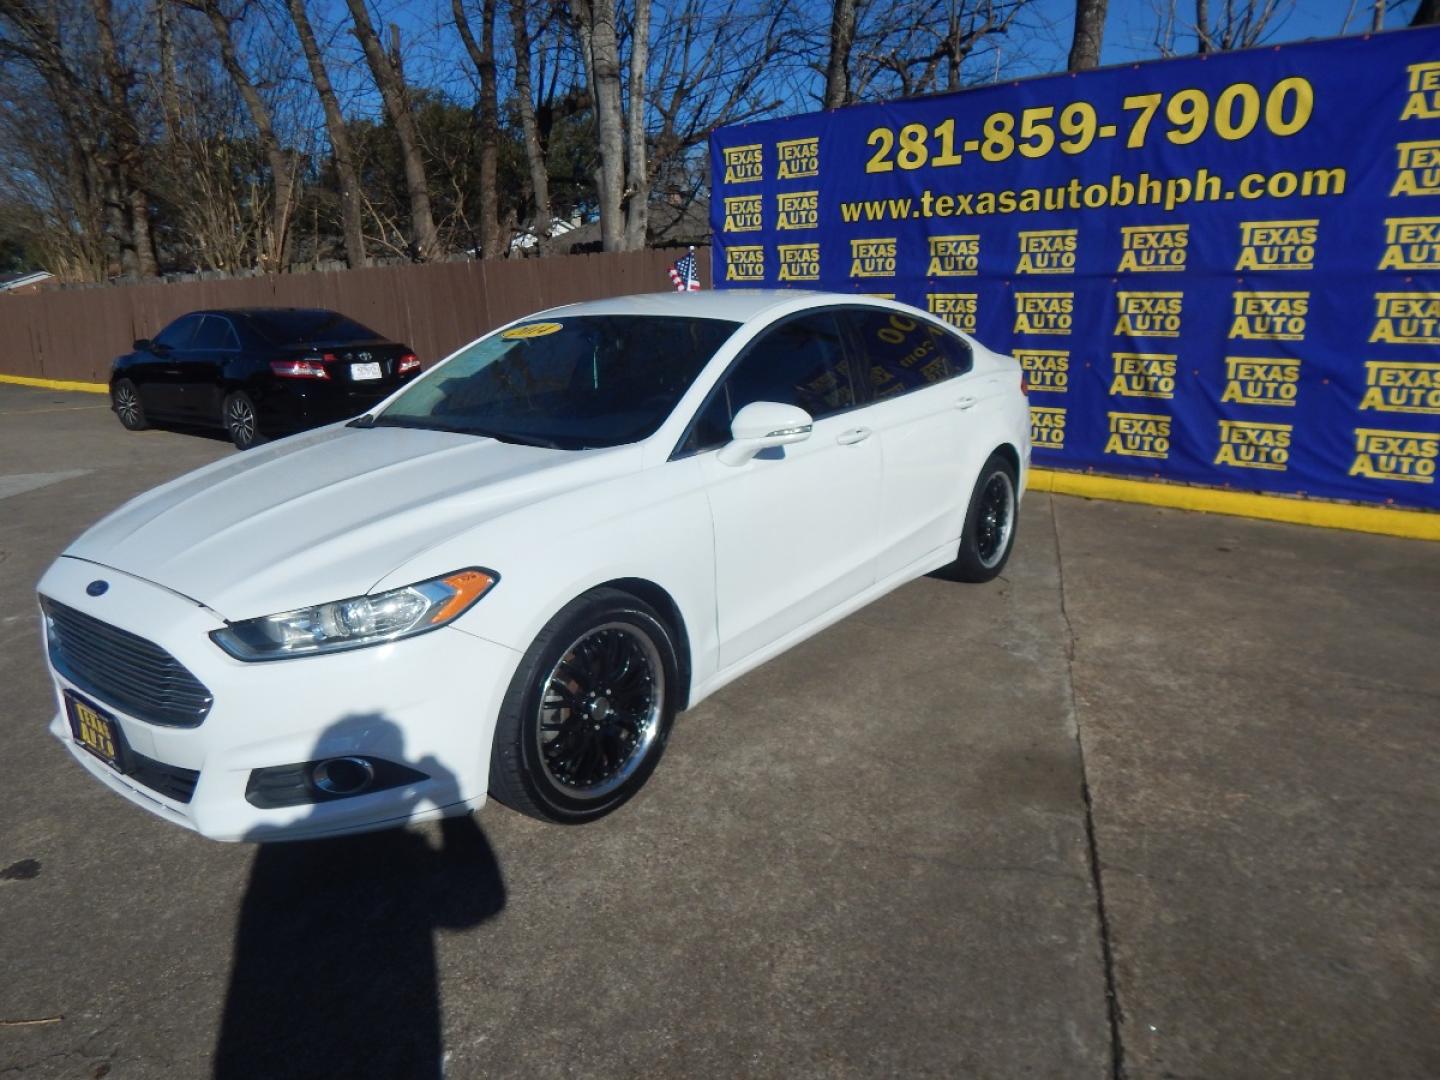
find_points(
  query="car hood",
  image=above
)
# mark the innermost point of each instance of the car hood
(326, 515)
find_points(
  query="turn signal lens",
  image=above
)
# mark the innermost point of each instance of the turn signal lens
(469, 586)
(408, 363)
(1024, 383)
(299, 369)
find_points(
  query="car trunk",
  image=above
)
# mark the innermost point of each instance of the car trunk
(360, 365)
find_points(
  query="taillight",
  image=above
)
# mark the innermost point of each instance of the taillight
(1024, 383)
(408, 362)
(309, 368)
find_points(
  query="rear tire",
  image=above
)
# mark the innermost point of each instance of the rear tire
(242, 422)
(125, 400)
(989, 533)
(588, 713)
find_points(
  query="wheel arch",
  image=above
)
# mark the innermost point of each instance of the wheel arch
(658, 598)
(1010, 454)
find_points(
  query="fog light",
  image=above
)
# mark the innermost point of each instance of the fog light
(325, 780)
(343, 775)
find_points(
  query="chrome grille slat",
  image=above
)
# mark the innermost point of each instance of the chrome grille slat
(123, 669)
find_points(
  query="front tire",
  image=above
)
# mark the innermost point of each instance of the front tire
(989, 532)
(125, 400)
(242, 422)
(588, 713)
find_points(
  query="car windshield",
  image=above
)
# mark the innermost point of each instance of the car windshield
(569, 383)
(301, 327)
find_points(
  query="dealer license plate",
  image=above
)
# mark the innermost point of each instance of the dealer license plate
(364, 371)
(93, 729)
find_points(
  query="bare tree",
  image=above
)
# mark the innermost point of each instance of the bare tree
(1089, 33)
(844, 18)
(595, 25)
(482, 54)
(125, 143)
(637, 184)
(390, 79)
(529, 128)
(1239, 24)
(92, 187)
(274, 253)
(711, 69)
(351, 199)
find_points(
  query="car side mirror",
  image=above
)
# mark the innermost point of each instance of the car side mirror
(762, 425)
(142, 344)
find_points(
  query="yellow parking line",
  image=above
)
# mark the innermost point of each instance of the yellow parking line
(1412, 524)
(57, 408)
(56, 384)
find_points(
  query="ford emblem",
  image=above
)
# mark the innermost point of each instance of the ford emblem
(97, 588)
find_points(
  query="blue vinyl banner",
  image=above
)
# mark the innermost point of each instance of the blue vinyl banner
(1221, 269)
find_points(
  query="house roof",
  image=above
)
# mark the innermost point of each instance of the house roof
(23, 278)
(669, 226)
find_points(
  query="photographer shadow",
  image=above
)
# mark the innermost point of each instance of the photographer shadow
(334, 971)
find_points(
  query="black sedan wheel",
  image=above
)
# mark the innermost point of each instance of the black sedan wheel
(588, 713)
(125, 400)
(989, 531)
(241, 422)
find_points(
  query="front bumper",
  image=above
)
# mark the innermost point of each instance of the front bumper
(428, 703)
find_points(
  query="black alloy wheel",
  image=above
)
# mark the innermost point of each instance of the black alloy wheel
(125, 400)
(241, 422)
(588, 712)
(988, 535)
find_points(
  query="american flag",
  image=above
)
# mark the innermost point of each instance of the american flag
(684, 274)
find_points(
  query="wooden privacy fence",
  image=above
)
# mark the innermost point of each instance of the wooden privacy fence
(73, 334)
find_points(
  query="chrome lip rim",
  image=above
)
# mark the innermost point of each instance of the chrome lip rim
(127, 405)
(997, 519)
(242, 421)
(574, 726)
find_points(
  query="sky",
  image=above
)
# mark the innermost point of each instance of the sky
(1130, 26)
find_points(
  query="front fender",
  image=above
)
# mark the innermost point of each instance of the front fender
(653, 525)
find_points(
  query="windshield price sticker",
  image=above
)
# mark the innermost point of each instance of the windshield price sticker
(531, 330)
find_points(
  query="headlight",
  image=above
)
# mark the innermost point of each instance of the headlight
(357, 622)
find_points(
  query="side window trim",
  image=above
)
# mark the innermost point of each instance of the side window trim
(860, 399)
(233, 335)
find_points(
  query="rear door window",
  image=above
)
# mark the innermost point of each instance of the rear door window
(902, 353)
(216, 333)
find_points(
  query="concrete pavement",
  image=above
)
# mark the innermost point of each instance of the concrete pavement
(1160, 802)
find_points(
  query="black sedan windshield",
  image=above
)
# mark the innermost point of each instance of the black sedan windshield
(570, 383)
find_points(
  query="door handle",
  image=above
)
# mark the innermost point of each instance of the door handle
(854, 435)
(966, 403)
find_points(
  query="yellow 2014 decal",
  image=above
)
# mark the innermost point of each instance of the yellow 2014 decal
(530, 330)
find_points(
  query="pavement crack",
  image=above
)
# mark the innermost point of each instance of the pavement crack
(1107, 952)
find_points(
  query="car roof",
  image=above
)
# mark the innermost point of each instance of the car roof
(263, 311)
(735, 305)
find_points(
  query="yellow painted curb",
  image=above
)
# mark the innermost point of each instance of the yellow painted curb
(1412, 524)
(56, 384)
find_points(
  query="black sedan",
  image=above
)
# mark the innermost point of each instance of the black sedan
(257, 372)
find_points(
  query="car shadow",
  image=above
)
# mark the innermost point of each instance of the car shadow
(334, 970)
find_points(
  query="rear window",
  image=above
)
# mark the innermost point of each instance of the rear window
(305, 326)
(903, 353)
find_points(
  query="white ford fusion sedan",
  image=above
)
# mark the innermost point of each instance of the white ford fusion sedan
(510, 576)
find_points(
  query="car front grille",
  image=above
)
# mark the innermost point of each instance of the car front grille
(123, 669)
